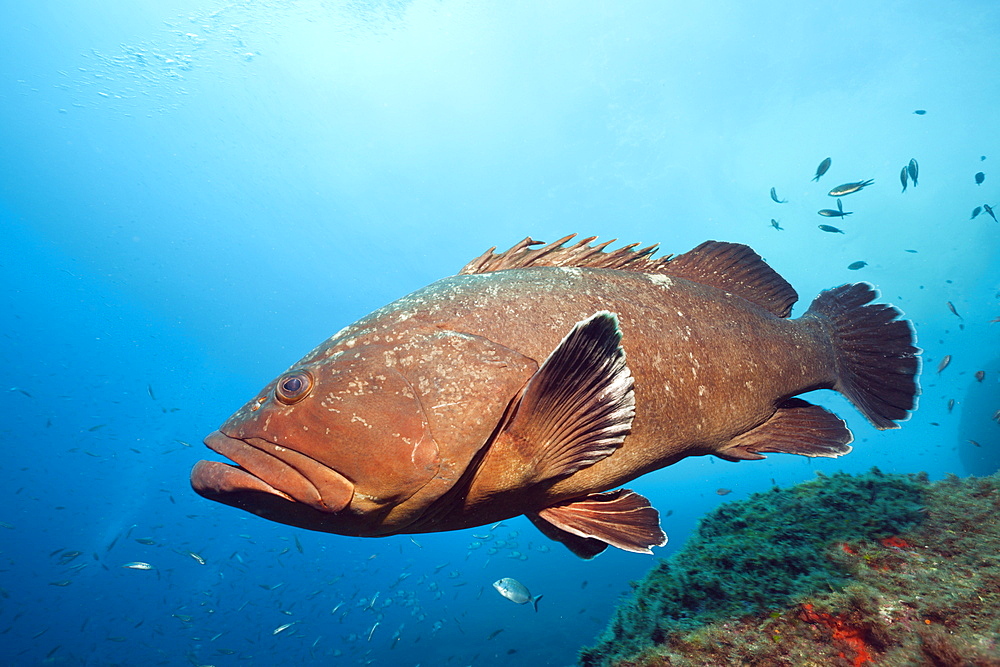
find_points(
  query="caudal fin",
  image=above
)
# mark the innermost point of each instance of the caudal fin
(876, 361)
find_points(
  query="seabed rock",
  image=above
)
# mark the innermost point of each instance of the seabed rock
(845, 570)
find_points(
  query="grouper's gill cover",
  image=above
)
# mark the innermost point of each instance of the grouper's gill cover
(539, 380)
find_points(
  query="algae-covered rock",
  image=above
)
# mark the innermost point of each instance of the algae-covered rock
(843, 570)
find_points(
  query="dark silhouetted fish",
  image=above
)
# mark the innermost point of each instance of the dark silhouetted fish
(944, 363)
(920, 112)
(823, 167)
(831, 213)
(539, 380)
(980, 177)
(903, 178)
(854, 266)
(831, 229)
(774, 223)
(774, 196)
(954, 312)
(976, 211)
(989, 210)
(913, 169)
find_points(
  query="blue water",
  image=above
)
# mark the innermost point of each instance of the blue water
(193, 194)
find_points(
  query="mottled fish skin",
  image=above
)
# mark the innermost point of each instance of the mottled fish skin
(437, 384)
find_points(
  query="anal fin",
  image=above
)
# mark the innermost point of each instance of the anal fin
(797, 427)
(621, 518)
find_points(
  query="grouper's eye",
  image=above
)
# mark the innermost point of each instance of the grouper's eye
(293, 387)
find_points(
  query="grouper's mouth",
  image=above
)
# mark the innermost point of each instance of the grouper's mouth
(264, 467)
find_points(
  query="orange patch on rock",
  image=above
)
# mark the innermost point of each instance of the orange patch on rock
(896, 542)
(841, 631)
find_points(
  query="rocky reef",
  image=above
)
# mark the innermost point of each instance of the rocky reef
(845, 570)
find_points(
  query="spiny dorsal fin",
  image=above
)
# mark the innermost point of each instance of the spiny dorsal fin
(732, 267)
(735, 268)
(580, 254)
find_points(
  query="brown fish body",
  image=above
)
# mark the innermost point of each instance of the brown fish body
(698, 383)
(436, 412)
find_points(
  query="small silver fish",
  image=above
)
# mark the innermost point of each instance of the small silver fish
(848, 188)
(138, 565)
(516, 592)
(282, 628)
(201, 561)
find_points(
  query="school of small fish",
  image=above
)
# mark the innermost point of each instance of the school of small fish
(344, 618)
(908, 176)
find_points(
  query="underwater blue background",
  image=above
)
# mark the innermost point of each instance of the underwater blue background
(193, 194)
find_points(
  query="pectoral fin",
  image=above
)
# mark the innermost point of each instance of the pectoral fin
(797, 427)
(621, 518)
(576, 409)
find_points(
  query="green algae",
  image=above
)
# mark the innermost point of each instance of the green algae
(843, 570)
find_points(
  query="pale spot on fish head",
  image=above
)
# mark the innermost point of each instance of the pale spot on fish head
(660, 280)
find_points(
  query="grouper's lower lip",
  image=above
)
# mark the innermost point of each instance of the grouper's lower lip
(265, 467)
